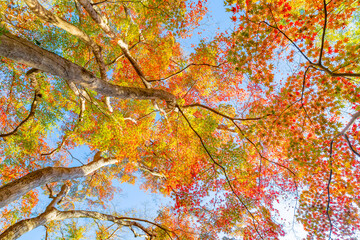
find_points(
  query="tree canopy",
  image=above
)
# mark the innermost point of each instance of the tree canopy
(260, 117)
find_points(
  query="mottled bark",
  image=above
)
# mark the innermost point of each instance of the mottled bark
(103, 23)
(15, 189)
(27, 53)
(53, 214)
(49, 17)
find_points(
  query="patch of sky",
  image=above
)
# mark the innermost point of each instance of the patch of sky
(216, 21)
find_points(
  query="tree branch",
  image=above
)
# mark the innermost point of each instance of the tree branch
(37, 95)
(224, 115)
(52, 214)
(64, 190)
(49, 17)
(261, 156)
(323, 34)
(15, 189)
(180, 71)
(350, 123)
(254, 220)
(31, 55)
(283, 33)
(103, 23)
(350, 146)
(328, 201)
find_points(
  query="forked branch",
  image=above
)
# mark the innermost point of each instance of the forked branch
(37, 95)
(53, 214)
(225, 115)
(17, 188)
(254, 220)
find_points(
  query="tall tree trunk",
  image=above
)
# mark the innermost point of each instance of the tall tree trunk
(27, 53)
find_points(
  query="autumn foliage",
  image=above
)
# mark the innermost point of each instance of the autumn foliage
(260, 118)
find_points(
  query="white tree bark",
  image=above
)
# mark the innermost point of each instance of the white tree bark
(27, 53)
(15, 189)
(49, 17)
(53, 214)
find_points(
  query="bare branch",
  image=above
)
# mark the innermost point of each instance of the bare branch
(323, 33)
(64, 190)
(103, 23)
(15, 189)
(350, 146)
(254, 220)
(37, 95)
(180, 71)
(224, 115)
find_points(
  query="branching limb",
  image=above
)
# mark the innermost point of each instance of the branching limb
(60, 145)
(103, 23)
(318, 65)
(76, 91)
(64, 190)
(343, 133)
(224, 115)
(180, 71)
(27, 53)
(49, 17)
(261, 156)
(15, 189)
(128, 14)
(350, 146)
(254, 220)
(53, 214)
(121, 56)
(287, 37)
(37, 95)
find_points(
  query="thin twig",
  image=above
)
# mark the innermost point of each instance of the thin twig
(224, 115)
(224, 172)
(261, 156)
(37, 95)
(350, 146)
(323, 34)
(180, 71)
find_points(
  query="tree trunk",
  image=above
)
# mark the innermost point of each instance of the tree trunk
(27, 53)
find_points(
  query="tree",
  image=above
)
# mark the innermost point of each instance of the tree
(263, 113)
